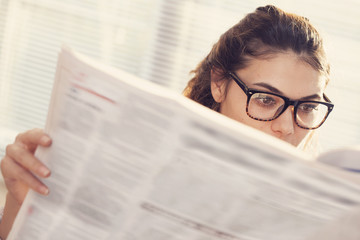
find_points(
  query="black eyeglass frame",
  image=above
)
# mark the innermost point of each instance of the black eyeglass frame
(249, 92)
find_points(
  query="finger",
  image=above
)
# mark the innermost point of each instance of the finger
(26, 159)
(16, 174)
(32, 138)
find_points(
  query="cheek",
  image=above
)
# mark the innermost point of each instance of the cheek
(234, 105)
(237, 110)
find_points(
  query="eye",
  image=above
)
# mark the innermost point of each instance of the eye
(265, 100)
(308, 107)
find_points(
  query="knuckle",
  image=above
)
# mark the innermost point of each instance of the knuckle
(3, 165)
(19, 137)
(15, 153)
(6, 168)
(9, 149)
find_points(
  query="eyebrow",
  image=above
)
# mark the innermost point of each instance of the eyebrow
(277, 91)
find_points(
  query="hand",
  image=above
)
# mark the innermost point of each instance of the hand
(21, 169)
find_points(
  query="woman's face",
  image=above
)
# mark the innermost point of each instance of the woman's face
(283, 74)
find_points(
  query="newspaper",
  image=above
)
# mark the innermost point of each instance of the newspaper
(345, 158)
(133, 161)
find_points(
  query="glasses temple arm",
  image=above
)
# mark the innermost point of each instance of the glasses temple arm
(241, 84)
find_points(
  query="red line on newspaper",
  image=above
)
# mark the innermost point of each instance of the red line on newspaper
(94, 93)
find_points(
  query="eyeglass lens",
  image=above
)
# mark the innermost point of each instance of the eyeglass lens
(265, 106)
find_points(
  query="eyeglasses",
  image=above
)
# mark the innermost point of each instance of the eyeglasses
(265, 106)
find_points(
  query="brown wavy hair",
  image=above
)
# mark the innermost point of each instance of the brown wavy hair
(268, 30)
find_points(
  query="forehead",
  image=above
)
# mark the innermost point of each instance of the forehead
(287, 72)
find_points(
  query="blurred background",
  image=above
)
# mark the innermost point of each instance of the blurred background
(158, 40)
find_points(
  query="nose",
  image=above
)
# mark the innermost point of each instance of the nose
(284, 124)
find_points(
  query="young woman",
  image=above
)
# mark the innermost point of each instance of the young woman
(269, 71)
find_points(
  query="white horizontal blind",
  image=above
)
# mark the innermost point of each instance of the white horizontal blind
(159, 40)
(115, 32)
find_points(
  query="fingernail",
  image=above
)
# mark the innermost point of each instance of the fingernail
(44, 171)
(44, 190)
(45, 140)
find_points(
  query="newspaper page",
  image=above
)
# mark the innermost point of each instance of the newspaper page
(346, 158)
(133, 161)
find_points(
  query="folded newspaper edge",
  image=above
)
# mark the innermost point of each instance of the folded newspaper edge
(346, 158)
